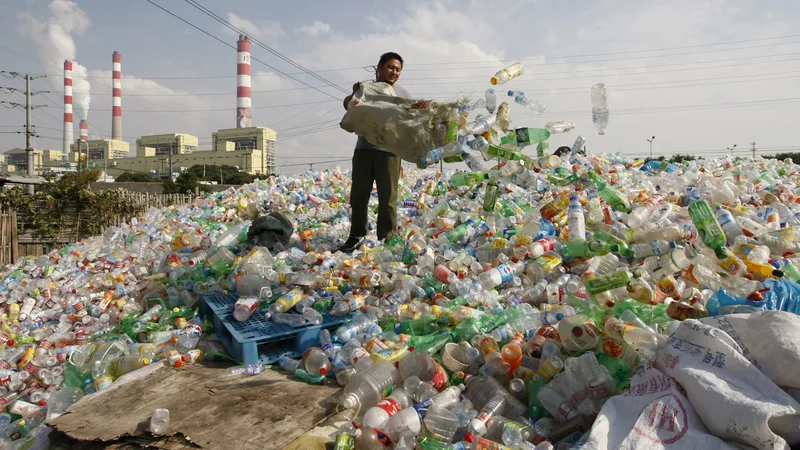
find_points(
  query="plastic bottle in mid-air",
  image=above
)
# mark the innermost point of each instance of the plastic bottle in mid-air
(491, 100)
(599, 107)
(559, 127)
(503, 76)
(577, 146)
(523, 99)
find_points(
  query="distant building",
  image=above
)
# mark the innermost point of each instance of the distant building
(100, 151)
(163, 144)
(16, 160)
(251, 149)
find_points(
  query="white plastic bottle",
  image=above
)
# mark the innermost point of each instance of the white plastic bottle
(561, 126)
(500, 275)
(728, 223)
(576, 220)
(599, 107)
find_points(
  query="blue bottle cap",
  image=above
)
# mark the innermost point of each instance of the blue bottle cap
(510, 93)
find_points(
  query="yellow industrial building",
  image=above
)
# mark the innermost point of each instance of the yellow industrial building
(16, 160)
(251, 149)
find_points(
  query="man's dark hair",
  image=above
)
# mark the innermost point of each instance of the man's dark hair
(389, 56)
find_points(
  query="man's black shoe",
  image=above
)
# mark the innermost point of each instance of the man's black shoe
(351, 244)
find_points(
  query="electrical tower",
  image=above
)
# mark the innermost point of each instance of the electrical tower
(29, 133)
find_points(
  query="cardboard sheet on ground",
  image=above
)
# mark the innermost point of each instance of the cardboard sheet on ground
(266, 411)
(400, 125)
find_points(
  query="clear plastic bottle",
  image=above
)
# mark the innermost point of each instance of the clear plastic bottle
(315, 361)
(441, 423)
(599, 107)
(559, 127)
(419, 390)
(244, 308)
(578, 145)
(378, 415)
(500, 275)
(478, 426)
(159, 421)
(410, 419)
(491, 100)
(368, 387)
(236, 372)
(523, 99)
(503, 76)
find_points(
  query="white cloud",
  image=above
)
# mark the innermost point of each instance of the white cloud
(315, 29)
(266, 30)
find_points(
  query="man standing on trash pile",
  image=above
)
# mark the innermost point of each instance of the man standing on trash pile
(372, 164)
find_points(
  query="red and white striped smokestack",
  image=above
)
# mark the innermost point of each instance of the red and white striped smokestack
(244, 106)
(67, 107)
(84, 130)
(116, 91)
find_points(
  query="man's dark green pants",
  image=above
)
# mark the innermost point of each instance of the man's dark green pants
(382, 169)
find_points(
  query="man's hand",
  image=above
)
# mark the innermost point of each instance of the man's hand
(347, 99)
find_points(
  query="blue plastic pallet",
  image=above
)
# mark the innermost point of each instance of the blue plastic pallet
(258, 339)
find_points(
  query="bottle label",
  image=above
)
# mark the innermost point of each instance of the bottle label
(251, 303)
(387, 392)
(102, 383)
(506, 273)
(390, 406)
(439, 377)
(252, 369)
(422, 408)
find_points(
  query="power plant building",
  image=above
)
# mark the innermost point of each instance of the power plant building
(249, 149)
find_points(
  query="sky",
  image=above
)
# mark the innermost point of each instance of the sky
(700, 76)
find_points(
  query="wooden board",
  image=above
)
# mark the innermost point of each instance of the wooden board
(267, 411)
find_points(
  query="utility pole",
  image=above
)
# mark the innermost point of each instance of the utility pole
(171, 147)
(731, 149)
(29, 133)
(220, 176)
(651, 146)
(754, 149)
(310, 166)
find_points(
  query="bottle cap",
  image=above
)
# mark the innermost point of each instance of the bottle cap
(323, 371)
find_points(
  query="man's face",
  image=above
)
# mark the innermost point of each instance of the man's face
(389, 71)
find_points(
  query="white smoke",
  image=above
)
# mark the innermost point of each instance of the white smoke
(52, 38)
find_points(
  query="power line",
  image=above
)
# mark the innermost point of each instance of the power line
(411, 66)
(211, 110)
(224, 22)
(233, 47)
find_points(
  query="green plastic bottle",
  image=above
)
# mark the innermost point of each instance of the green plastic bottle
(609, 194)
(605, 236)
(432, 282)
(432, 343)
(618, 279)
(504, 153)
(536, 410)
(619, 369)
(467, 329)
(467, 178)
(791, 272)
(572, 249)
(526, 136)
(309, 378)
(490, 197)
(492, 319)
(456, 235)
(425, 325)
(542, 149)
(707, 226)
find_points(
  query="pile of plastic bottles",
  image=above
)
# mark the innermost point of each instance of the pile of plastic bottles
(508, 306)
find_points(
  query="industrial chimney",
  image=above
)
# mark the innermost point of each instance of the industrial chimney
(116, 91)
(84, 130)
(244, 111)
(67, 108)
